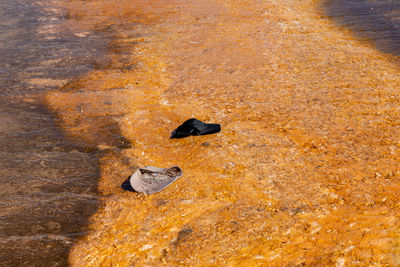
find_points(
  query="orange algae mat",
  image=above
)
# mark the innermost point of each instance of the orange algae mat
(305, 170)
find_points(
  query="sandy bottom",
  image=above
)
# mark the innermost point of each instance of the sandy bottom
(305, 170)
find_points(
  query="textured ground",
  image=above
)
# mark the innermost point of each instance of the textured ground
(306, 169)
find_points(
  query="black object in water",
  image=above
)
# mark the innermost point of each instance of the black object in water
(195, 127)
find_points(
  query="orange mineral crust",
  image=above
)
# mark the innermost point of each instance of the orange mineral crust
(306, 169)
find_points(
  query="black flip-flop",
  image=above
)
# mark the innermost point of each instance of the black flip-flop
(195, 127)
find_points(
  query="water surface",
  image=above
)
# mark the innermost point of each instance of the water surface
(370, 20)
(284, 166)
(48, 185)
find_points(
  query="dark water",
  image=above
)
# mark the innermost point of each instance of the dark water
(376, 21)
(47, 184)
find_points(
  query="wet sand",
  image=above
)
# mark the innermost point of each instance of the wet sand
(306, 168)
(48, 184)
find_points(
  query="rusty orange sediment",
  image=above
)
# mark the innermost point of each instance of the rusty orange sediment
(306, 169)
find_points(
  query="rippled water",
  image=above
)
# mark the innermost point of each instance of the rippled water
(371, 20)
(48, 185)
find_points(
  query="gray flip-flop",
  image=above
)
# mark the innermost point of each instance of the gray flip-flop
(150, 180)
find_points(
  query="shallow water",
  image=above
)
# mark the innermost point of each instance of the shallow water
(307, 160)
(48, 184)
(370, 20)
(305, 165)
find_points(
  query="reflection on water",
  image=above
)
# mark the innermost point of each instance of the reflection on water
(48, 185)
(376, 20)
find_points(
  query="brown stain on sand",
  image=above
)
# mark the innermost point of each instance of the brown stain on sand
(306, 169)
